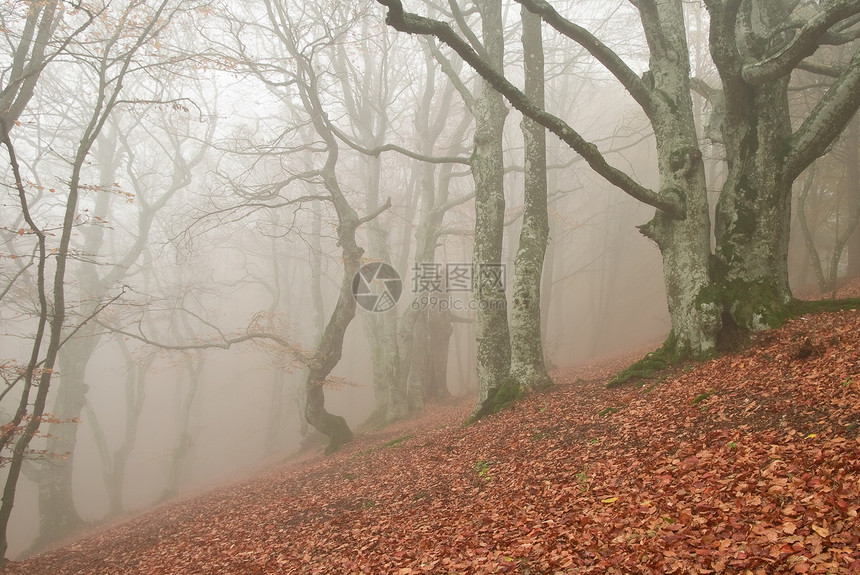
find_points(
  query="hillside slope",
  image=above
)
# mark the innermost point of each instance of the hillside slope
(749, 463)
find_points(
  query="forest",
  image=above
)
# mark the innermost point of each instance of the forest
(346, 240)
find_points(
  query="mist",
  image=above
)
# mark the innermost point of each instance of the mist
(211, 167)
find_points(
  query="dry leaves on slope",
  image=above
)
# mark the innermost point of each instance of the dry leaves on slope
(749, 463)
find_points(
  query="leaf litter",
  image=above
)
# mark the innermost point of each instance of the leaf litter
(760, 475)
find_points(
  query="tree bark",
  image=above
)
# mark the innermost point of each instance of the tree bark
(527, 356)
(852, 184)
(492, 338)
(753, 214)
(684, 243)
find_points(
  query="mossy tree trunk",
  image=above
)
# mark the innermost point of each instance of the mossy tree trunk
(764, 155)
(684, 242)
(491, 317)
(527, 356)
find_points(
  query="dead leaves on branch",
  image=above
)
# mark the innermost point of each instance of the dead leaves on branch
(749, 463)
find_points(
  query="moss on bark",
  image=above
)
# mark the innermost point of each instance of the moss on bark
(653, 363)
(498, 399)
(745, 304)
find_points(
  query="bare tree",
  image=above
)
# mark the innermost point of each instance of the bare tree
(115, 61)
(116, 147)
(527, 357)
(755, 45)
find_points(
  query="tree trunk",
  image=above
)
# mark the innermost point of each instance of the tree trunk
(527, 357)
(684, 244)
(547, 285)
(330, 347)
(382, 326)
(492, 339)
(135, 393)
(329, 350)
(181, 453)
(852, 185)
(764, 156)
(417, 385)
(58, 516)
(440, 330)
(754, 210)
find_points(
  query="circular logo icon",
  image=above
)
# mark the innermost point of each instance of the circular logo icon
(377, 287)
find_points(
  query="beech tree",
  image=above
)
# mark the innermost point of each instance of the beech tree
(492, 336)
(527, 356)
(287, 68)
(755, 45)
(123, 33)
(828, 208)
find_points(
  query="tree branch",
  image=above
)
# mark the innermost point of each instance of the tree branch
(12, 281)
(464, 27)
(605, 55)
(702, 88)
(826, 120)
(820, 69)
(225, 343)
(415, 24)
(375, 152)
(375, 213)
(449, 71)
(804, 44)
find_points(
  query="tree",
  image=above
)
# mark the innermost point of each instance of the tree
(36, 43)
(755, 46)
(299, 86)
(828, 208)
(179, 152)
(527, 357)
(492, 336)
(120, 44)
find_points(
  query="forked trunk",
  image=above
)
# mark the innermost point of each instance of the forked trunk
(684, 244)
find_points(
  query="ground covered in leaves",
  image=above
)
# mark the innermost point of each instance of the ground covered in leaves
(749, 463)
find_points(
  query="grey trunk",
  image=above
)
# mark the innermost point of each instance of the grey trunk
(753, 214)
(492, 339)
(527, 357)
(684, 244)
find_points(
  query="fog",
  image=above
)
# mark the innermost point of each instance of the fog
(205, 215)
